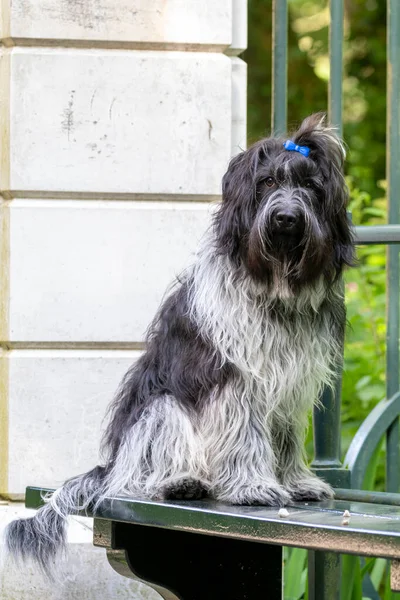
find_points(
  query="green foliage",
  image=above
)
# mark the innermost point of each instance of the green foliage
(364, 367)
(295, 572)
(364, 77)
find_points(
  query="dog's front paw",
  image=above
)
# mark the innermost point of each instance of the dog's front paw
(268, 493)
(186, 489)
(309, 487)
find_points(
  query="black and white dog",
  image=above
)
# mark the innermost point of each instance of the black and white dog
(218, 404)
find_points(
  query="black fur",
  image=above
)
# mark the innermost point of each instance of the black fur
(178, 362)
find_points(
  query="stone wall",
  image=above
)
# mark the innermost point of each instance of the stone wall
(117, 119)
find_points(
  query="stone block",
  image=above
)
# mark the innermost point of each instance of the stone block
(182, 22)
(239, 105)
(95, 272)
(57, 402)
(105, 122)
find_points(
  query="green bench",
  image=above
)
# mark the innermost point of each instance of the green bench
(208, 551)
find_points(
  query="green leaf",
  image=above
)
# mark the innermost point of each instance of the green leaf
(357, 582)
(363, 382)
(370, 474)
(349, 565)
(294, 567)
(378, 573)
(369, 565)
(376, 212)
(373, 392)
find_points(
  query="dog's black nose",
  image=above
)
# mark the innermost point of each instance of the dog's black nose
(285, 220)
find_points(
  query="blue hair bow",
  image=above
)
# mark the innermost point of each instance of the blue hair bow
(289, 145)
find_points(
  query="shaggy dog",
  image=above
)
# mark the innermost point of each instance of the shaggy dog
(238, 353)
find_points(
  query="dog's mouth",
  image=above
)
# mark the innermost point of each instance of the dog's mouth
(285, 240)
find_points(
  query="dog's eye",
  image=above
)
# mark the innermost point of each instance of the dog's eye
(308, 184)
(270, 181)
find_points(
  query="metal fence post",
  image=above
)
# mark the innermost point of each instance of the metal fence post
(324, 568)
(279, 66)
(393, 182)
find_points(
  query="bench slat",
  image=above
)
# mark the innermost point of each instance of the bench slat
(373, 530)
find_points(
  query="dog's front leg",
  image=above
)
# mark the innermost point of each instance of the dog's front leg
(239, 454)
(292, 470)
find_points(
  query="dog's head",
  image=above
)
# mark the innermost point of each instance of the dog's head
(283, 214)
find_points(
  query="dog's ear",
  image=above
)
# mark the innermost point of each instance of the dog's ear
(328, 152)
(235, 215)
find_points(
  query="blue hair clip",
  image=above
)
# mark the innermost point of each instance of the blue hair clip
(289, 145)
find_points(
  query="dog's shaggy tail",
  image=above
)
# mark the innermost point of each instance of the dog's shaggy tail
(42, 538)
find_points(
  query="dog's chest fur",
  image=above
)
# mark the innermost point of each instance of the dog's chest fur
(282, 349)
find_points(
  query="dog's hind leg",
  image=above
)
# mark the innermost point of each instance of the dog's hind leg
(292, 470)
(160, 456)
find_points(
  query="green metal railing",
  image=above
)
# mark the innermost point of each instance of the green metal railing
(336, 64)
(279, 66)
(393, 181)
(324, 568)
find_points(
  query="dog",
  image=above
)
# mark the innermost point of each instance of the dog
(238, 353)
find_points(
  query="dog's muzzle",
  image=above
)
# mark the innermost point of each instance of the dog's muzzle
(287, 221)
